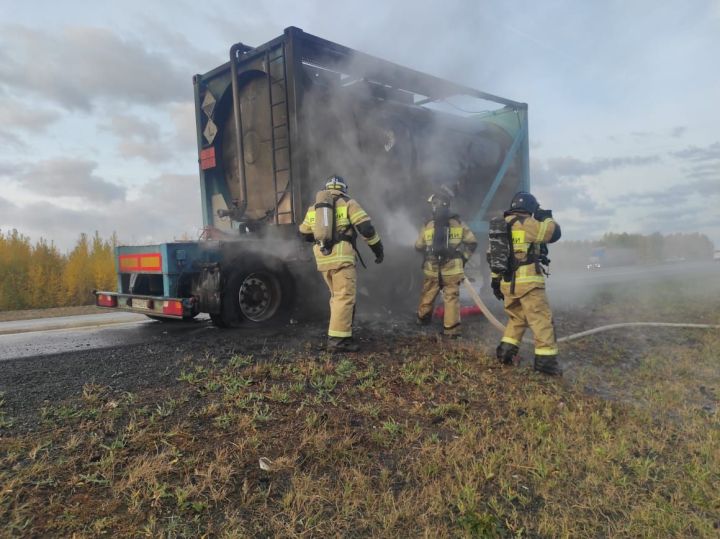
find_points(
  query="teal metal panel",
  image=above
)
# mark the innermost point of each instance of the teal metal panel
(478, 224)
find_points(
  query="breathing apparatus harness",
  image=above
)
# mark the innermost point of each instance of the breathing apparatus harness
(349, 234)
(537, 256)
(439, 250)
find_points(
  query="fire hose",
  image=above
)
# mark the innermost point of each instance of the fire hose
(495, 322)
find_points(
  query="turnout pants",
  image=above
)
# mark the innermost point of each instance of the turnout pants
(530, 310)
(451, 299)
(342, 285)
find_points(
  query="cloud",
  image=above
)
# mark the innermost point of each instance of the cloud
(11, 140)
(705, 170)
(573, 167)
(167, 207)
(16, 115)
(130, 126)
(78, 66)
(65, 177)
(579, 213)
(678, 131)
(183, 118)
(695, 153)
(138, 137)
(672, 198)
(6, 206)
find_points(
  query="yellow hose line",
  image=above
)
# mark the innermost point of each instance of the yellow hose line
(479, 302)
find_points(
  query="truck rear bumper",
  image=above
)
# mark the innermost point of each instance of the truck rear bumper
(150, 305)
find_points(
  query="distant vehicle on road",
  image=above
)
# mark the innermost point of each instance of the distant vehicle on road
(596, 260)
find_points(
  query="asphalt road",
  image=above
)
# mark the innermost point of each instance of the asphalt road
(41, 337)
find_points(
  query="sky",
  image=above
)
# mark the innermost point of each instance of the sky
(97, 126)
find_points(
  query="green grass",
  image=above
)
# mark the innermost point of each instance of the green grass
(429, 440)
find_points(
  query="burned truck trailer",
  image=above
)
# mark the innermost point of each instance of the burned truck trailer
(278, 119)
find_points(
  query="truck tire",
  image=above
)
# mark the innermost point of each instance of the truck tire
(257, 294)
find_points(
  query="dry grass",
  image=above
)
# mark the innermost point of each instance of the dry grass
(29, 314)
(426, 441)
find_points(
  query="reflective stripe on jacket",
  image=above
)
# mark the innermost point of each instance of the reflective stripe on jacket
(348, 213)
(461, 240)
(527, 235)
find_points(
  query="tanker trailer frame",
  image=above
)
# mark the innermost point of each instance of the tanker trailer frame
(276, 120)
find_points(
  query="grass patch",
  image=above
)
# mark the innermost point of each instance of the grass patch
(425, 441)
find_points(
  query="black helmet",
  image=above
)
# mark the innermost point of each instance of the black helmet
(440, 204)
(439, 199)
(336, 182)
(524, 201)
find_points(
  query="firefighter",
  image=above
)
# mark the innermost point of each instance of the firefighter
(448, 244)
(335, 253)
(523, 288)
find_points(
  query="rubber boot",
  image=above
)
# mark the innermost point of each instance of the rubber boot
(506, 353)
(425, 320)
(454, 332)
(548, 365)
(342, 344)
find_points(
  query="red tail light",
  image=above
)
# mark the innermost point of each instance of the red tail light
(106, 300)
(173, 307)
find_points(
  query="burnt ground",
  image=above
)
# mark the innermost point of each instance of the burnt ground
(30, 384)
(414, 436)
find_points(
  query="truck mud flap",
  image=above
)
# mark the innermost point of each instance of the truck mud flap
(208, 289)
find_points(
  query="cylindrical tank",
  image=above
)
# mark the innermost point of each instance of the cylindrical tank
(392, 152)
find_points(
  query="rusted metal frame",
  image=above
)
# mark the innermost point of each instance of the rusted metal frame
(234, 50)
(272, 133)
(403, 77)
(294, 94)
(289, 189)
(207, 218)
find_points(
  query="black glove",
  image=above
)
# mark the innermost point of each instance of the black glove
(541, 215)
(377, 250)
(495, 284)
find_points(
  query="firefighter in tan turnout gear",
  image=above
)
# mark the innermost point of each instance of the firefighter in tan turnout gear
(333, 223)
(522, 287)
(448, 244)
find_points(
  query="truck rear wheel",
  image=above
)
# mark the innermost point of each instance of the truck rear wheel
(257, 294)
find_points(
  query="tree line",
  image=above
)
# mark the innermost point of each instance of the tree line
(37, 275)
